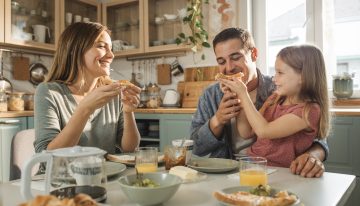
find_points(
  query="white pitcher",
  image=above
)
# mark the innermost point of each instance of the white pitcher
(39, 32)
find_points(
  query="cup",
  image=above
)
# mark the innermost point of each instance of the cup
(68, 18)
(253, 171)
(174, 156)
(86, 19)
(188, 144)
(40, 32)
(87, 170)
(77, 18)
(146, 159)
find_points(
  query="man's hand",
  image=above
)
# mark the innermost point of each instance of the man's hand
(307, 165)
(229, 107)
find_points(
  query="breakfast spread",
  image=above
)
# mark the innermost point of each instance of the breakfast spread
(128, 158)
(184, 173)
(50, 200)
(259, 196)
(228, 77)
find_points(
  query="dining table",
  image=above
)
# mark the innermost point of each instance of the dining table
(330, 189)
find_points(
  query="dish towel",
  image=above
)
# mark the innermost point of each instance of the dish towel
(236, 176)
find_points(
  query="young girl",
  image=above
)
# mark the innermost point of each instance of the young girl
(296, 113)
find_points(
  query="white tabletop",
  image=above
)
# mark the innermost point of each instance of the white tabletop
(331, 189)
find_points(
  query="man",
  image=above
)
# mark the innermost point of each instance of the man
(213, 126)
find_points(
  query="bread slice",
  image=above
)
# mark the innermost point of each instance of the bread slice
(125, 83)
(238, 75)
(242, 198)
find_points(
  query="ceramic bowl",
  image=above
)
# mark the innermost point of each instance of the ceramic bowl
(159, 20)
(170, 41)
(168, 185)
(157, 43)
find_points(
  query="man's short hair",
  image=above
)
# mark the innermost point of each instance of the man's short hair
(235, 33)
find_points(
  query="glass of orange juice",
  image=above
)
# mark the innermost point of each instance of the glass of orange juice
(146, 159)
(253, 171)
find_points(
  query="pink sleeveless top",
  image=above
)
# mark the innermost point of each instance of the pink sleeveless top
(281, 152)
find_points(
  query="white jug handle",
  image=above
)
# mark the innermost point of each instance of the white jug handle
(26, 174)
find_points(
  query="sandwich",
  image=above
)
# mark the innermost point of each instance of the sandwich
(238, 75)
(125, 83)
(50, 200)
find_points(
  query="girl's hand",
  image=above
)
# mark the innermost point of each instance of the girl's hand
(235, 85)
(130, 98)
(99, 97)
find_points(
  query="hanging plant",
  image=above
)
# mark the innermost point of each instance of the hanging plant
(199, 36)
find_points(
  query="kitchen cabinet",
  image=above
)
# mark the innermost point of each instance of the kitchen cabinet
(171, 126)
(344, 143)
(79, 10)
(32, 24)
(149, 26)
(8, 128)
(2, 20)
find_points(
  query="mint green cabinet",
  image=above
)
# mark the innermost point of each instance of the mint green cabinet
(171, 126)
(344, 144)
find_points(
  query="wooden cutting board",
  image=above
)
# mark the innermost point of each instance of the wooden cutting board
(192, 91)
(163, 74)
(21, 68)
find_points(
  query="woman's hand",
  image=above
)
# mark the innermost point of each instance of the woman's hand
(130, 98)
(307, 165)
(99, 97)
(234, 85)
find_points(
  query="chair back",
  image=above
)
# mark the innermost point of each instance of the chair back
(22, 148)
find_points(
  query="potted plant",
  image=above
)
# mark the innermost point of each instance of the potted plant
(198, 38)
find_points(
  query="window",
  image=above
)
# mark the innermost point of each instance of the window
(332, 25)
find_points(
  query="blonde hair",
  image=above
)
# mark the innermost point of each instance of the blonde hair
(73, 43)
(308, 60)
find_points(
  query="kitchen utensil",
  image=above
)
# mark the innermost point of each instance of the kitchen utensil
(68, 171)
(38, 72)
(133, 75)
(20, 68)
(5, 84)
(192, 91)
(176, 68)
(164, 74)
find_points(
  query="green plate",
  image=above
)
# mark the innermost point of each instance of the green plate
(213, 165)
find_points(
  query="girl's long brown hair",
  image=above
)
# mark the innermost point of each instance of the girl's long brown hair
(73, 43)
(309, 62)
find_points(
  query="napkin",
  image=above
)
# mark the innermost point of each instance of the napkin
(237, 177)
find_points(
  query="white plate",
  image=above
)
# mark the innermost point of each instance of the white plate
(248, 188)
(213, 165)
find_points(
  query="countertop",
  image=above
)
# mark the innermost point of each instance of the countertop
(338, 109)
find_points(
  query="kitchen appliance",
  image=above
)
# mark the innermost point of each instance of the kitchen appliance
(69, 171)
(171, 98)
(343, 85)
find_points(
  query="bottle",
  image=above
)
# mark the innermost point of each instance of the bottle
(3, 102)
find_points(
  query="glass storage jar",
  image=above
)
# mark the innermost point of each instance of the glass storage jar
(16, 101)
(3, 102)
(29, 101)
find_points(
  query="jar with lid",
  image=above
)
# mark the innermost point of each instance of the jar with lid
(16, 101)
(29, 101)
(3, 102)
(154, 100)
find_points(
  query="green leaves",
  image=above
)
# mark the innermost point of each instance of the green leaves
(199, 36)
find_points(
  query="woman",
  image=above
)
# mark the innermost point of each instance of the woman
(78, 104)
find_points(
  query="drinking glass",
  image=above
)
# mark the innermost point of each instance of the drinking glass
(253, 171)
(174, 156)
(146, 159)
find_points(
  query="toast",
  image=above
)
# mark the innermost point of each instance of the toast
(50, 200)
(238, 75)
(242, 198)
(125, 83)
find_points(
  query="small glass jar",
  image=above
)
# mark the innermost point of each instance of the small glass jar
(3, 102)
(16, 101)
(29, 101)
